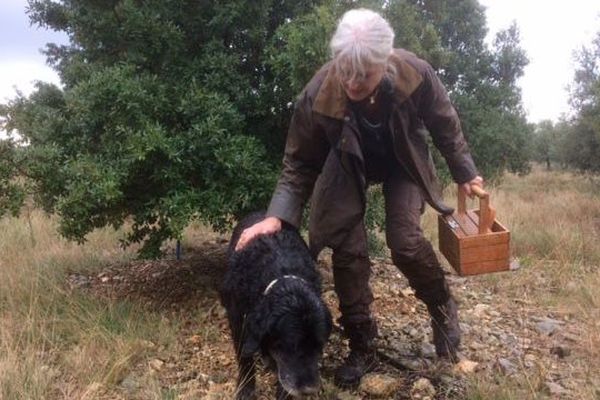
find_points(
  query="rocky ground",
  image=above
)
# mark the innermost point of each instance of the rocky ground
(503, 339)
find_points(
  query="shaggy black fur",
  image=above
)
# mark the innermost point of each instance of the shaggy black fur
(290, 324)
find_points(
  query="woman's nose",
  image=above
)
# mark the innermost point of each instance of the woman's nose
(353, 84)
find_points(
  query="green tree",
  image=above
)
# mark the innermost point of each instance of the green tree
(581, 148)
(12, 194)
(546, 143)
(159, 119)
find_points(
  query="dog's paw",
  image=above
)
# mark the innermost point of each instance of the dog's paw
(245, 393)
(280, 393)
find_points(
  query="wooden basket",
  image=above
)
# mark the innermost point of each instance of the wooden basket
(473, 241)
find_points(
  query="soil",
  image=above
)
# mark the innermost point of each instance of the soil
(502, 337)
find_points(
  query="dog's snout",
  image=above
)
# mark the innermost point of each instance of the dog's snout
(309, 390)
(301, 385)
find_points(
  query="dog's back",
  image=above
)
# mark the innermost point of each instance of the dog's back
(264, 259)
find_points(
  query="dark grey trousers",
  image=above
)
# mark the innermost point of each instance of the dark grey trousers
(411, 253)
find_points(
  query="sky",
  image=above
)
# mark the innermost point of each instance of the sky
(550, 31)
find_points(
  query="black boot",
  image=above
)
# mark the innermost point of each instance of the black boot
(362, 357)
(446, 330)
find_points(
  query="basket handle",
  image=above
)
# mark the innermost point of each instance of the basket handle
(487, 213)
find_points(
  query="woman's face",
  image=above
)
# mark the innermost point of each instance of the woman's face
(360, 85)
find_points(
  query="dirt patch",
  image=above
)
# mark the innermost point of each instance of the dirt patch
(162, 284)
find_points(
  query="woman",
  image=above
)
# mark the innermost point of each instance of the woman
(364, 118)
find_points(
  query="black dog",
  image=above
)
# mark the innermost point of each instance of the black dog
(271, 293)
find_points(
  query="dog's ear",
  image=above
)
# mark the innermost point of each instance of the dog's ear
(328, 321)
(255, 327)
(250, 345)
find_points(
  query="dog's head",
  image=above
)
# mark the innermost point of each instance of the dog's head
(290, 333)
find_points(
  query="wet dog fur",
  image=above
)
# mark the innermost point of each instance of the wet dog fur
(287, 324)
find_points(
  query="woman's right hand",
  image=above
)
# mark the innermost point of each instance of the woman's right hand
(264, 227)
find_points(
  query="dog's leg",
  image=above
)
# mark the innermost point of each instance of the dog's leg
(246, 385)
(280, 393)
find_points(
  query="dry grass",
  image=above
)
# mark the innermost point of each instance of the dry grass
(554, 218)
(55, 343)
(59, 344)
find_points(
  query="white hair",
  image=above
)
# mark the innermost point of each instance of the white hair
(362, 38)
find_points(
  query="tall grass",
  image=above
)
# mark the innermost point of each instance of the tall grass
(55, 343)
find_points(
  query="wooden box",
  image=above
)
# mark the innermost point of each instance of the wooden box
(473, 241)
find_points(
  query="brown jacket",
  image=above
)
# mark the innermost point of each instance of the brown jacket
(323, 147)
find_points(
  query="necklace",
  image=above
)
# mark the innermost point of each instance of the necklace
(373, 96)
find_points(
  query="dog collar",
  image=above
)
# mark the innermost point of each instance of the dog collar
(274, 281)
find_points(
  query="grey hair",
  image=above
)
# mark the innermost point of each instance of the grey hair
(362, 38)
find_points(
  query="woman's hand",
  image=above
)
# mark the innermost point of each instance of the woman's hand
(466, 187)
(264, 227)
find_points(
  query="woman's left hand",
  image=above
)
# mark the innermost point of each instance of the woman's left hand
(466, 187)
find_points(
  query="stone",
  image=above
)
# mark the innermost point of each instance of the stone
(411, 364)
(514, 264)
(130, 385)
(346, 395)
(480, 310)
(530, 360)
(548, 326)
(555, 389)
(560, 351)
(428, 350)
(466, 366)
(505, 366)
(156, 364)
(378, 385)
(422, 389)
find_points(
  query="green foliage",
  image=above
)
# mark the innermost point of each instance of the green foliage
(375, 221)
(175, 110)
(12, 193)
(580, 145)
(545, 146)
(152, 126)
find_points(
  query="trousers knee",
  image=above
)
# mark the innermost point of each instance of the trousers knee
(351, 275)
(424, 273)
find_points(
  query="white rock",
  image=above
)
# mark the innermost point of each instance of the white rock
(156, 364)
(378, 385)
(480, 310)
(466, 366)
(555, 389)
(422, 388)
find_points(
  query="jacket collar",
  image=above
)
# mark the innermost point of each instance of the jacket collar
(331, 100)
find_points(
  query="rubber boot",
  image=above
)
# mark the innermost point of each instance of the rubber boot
(362, 358)
(446, 330)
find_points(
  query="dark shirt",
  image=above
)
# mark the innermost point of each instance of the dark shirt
(375, 135)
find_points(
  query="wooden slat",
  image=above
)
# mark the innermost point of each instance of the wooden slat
(487, 253)
(489, 239)
(466, 223)
(484, 267)
(473, 216)
(452, 225)
(498, 227)
(448, 242)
